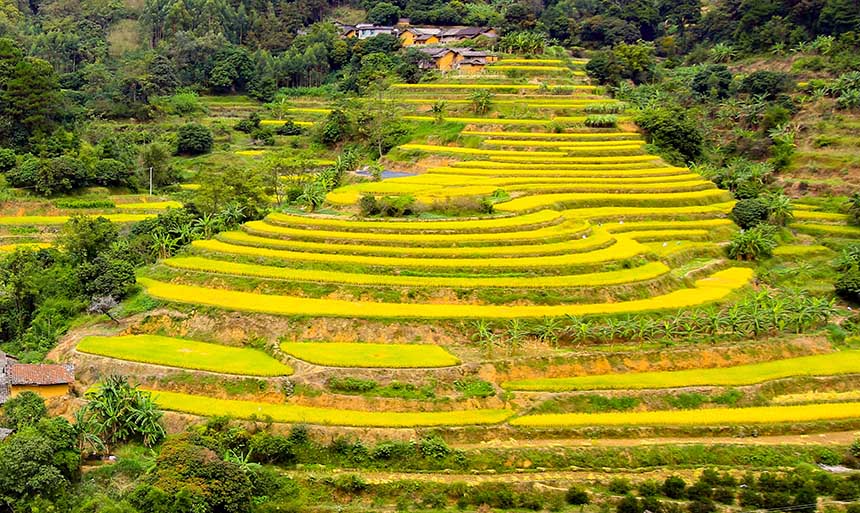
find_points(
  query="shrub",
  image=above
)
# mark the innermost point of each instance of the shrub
(474, 388)
(194, 139)
(847, 284)
(248, 125)
(749, 213)
(712, 81)
(674, 487)
(289, 128)
(629, 504)
(753, 244)
(768, 84)
(265, 136)
(576, 496)
(649, 488)
(619, 486)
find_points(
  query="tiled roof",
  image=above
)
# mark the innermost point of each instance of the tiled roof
(24, 374)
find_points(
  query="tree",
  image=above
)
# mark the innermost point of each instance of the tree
(23, 410)
(31, 98)
(156, 157)
(243, 187)
(674, 132)
(84, 238)
(383, 13)
(712, 82)
(37, 461)
(853, 205)
(605, 68)
(194, 139)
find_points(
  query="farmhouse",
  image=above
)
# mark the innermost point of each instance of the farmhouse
(45, 380)
(367, 30)
(463, 59)
(419, 36)
(460, 34)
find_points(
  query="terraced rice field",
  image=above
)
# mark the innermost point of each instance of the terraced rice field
(185, 354)
(202, 405)
(584, 223)
(345, 354)
(703, 417)
(845, 362)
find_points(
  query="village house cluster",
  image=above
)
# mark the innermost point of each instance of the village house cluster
(44, 379)
(434, 43)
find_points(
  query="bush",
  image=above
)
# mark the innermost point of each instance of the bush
(629, 504)
(768, 84)
(674, 487)
(248, 125)
(194, 139)
(474, 388)
(576, 496)
(749, 213)
(712, 82)
(752, 244)
(847, 284)
(289, 128)
(619, 486)
(265, 136)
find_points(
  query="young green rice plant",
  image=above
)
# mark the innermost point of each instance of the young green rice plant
(605, 108)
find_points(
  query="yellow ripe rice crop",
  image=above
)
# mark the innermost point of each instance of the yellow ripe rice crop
(622, 227)
(292, 413)
(553, 135)
(805, 215)
(52, 220)
(657, 173)
(532, 157)
(707, 290)
(185, 354)
(652, 166)
(494, 224)
(522, 67)
(492, 86)
(657, 199)
(428, 193)
(529, 61)
(498, 121)
(648, 212)
(800, 250)
(649, 271)
(559, 177)
(250, 153)
(666, 235)
(9, 248)
(431, 148)
(844, 362)
(538, 236)
(701, 417)
(600, 238)
(346, 354)
(152, 205)
(529, 101)
(851, 232)
(624, 248)
(585, 145)
(189, 186)
(817, 397)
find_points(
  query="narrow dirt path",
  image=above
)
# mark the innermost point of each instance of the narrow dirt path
(834, 438)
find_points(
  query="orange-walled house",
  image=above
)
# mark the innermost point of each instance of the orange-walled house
(419, 36)
(43, 379)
